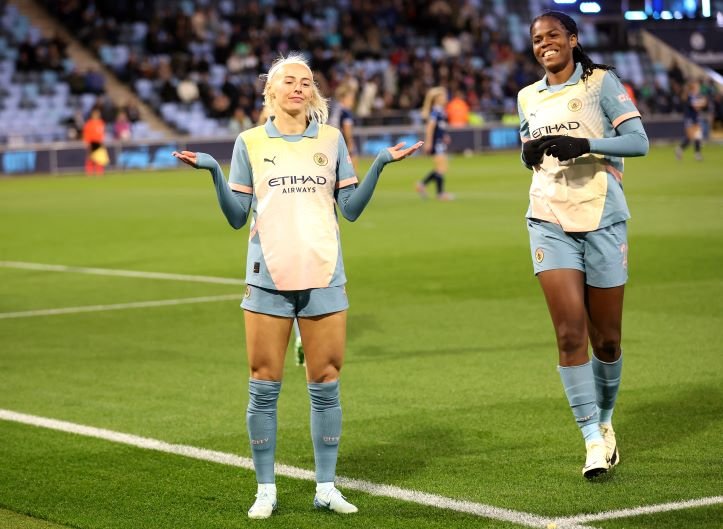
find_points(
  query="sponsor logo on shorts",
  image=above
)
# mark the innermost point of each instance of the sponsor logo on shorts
(624, 252)
(574, 105)
(321, 159)
(539, 255)
(247, 294)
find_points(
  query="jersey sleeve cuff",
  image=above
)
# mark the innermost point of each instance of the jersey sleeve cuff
(241, 188)
(346, 182)
(624, 117)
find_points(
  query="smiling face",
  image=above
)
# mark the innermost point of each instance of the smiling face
(552, 44)
(292, 89)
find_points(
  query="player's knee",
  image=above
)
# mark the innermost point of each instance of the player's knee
(264, 371)
(328, 373)
(571, 339)
(607, 349)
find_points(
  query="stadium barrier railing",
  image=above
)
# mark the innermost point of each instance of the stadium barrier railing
(68, 157)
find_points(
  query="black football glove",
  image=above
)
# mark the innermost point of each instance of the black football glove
(565, 147)
(532, 151)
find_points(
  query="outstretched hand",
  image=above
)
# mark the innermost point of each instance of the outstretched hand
(187, 157)
(399, 154)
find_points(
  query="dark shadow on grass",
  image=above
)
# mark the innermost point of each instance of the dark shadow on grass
(608, 477)
(378, 353)
(403, 446)
(671, 415)
(385, 456)
(360, 324)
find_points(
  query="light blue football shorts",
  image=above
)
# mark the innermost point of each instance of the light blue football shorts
(293, 303)
(602, 255)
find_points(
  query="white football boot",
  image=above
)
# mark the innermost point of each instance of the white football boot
(265, 503)
(611, 446)
(596, 462)
(330, 498)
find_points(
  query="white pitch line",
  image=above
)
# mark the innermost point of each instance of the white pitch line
(121, 273)
(389, 491)
(375, 489)
(644, 509)
(116, 306)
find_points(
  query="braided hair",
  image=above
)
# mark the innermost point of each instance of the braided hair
(578, 55)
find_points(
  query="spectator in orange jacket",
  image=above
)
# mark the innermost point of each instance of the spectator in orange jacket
(93, 137)
(458, 110)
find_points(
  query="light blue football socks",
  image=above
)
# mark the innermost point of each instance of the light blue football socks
(261, 424)
(579, 384)
(607, 382)
(325, 428)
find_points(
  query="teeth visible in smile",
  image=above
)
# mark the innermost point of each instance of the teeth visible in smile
(549, 53)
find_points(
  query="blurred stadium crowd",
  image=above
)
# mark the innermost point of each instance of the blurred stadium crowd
(196, 62)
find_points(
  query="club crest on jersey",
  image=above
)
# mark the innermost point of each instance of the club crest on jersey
(574, 105)
(321, 159)
(539, 255)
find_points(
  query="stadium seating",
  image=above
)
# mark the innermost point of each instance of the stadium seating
(41, 87)
(195, 61)
(33, 98)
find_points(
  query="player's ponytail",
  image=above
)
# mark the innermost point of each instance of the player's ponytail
(578, 55)
(429, 98)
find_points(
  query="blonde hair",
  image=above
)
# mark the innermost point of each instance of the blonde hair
(429, 98)
(317, 109)
(344, 90)
(263, 115)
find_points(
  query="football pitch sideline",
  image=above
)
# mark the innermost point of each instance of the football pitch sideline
(123, 373)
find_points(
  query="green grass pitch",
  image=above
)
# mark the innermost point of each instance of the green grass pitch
(449, 385)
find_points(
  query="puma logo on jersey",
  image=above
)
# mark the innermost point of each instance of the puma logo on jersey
(271, 161)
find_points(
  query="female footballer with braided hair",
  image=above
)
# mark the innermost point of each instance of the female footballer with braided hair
(576, 124)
